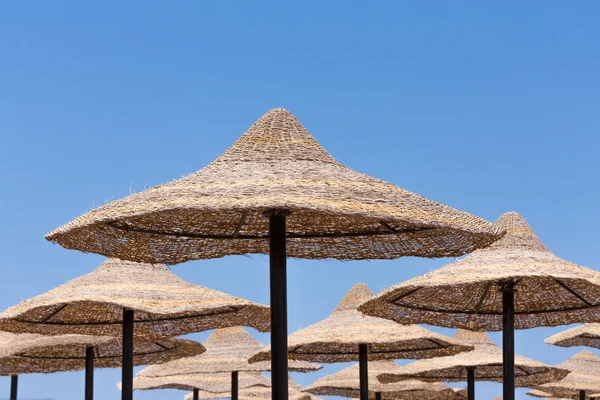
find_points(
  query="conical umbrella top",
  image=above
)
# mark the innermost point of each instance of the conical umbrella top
(336, 338)
(336, 212)
(585, 375)
(215, 383)
(227, 350)
(467, 293)
(164, 304)
(582, 335)
(486, 358)
(32, 353)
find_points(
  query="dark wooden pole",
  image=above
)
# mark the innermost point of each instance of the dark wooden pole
(127, 366)
(582, 395)
(196, 394)
(278, 276)
(378, 396)
(234, 385)
(14, 383)
(508, 340)
(89, 373)
(364, 372)
(471, 383)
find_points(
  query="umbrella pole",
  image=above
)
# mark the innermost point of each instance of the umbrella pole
(89, 373)
(364, 372)
(508, 340)
(582, 395)
(14, 383)
(127, 366)
(196, 393)
(471, 383)
(378, 396)
(234, 385)
(278, 277)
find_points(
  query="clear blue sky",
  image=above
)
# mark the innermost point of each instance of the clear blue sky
(487, 107)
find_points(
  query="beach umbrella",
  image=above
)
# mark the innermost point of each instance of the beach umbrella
(275, 191)
(482, 364)
(348, 335)
(346, 384)
(516, 283)
(544, 395)
(227, 350)
(582, 335)
(33, 353)
(583, 379)
(131, 299)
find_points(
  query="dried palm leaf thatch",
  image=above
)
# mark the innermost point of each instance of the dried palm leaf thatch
(32, 353)
(215, 383)
(227, 350)
(467, 293)
(541, 394)
(336, 212)
(585, 375)
(582, 335)
(164, 305)
(336, 338)
(346, 383)
(486, 359)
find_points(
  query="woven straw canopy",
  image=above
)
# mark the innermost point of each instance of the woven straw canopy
(466, 294)
(583, 335)
(336, 212)
(257, 392)
(541, 394)
(486, 359)
(585, 375)
(215, 383)
(164, 305)
(32, 353)
(346, 384)
(336, 338)
(227, 350)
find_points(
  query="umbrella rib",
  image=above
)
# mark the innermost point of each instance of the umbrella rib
(483, 296)
(83, 358)
(59, 309)
(370, 351)
(444, 311)
(573, 292)
(239, 225)
(405, 294)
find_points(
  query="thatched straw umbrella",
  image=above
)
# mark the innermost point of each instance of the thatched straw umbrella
(346, 384)
(227, 351)
(348, 335)
(584, 377)
(582, 335)
(32, 353)
(127, 298)
(544, 395)
(276, 191)
(484, 364)
(515, 283)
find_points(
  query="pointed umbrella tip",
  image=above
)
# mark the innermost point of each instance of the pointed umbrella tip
(357, 295)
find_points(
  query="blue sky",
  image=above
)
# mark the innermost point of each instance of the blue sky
(487, 106)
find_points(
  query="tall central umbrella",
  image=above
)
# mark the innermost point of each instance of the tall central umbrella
(131, 299)
(32, 353)
(346, 384)
(276, 191)
(515, 283)
(349, 335)
(583, 379)
(227, 351)
(483, 364)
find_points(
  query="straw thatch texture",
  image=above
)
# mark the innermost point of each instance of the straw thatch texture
(227, 350)
(487, 360)
(258, 392)
(547, 396)
(336, 338)
(216, 383)
(466, 293)
(164, 305)
(346, 383)
(32, 353)
(220, 210)
(583, 335)
(585, 375)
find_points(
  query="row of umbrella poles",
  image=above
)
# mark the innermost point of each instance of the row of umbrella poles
(276, 191)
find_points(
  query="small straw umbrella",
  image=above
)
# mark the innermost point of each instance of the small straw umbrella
(483, 363)
(584, 377)
(515, 283)
(544, 395)
(582, 335)
(32, 353)
(227, 350)
(276, 191)
(348, 335)
(346, 384)
(120, 295)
